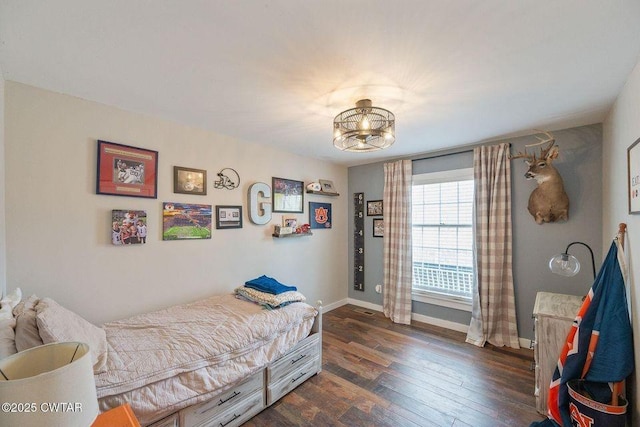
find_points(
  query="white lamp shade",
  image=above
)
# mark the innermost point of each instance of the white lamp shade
(48, 385)
(565, 265)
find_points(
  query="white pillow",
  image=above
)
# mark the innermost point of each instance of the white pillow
(7, 337)
(9, 302)
(27, 335)
(57, 324)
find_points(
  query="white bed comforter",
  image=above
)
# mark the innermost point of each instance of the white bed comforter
(163, 361)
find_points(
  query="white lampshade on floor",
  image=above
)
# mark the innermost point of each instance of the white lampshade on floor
(48, 385)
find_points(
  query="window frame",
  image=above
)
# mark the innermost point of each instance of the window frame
(432, 297)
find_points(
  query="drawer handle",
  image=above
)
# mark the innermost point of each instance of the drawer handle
(235, 393)
(298, 377)
(231, 420)
(302, 356)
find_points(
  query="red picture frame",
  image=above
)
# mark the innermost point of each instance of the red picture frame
(124, 170)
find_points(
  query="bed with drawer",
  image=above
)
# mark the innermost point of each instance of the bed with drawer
(217, 361)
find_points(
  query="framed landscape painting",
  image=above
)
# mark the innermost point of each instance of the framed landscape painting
(184, 221)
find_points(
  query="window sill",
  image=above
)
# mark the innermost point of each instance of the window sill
(457, 303)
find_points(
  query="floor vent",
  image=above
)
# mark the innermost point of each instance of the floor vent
(364, 311)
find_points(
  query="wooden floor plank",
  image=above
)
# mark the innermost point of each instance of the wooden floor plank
(377, 373)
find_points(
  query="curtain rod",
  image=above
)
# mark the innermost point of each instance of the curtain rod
(435, 156)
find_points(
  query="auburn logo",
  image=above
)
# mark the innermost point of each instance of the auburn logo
(581, 419)
(322, 215)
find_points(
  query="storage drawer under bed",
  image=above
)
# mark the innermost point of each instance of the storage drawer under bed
(239, 396)
(299, 355)
(294, 368)
(292, 379)
(238, 414)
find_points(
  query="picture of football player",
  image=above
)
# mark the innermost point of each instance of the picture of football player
(142, 231)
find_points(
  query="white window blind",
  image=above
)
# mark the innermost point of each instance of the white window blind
(442, 223)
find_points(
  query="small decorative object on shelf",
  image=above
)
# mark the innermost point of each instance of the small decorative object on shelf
(323, 187)
(303, 230)
(327, 186)
(282, 230)
(314, 186)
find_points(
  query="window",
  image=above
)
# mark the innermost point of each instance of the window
(442, 224)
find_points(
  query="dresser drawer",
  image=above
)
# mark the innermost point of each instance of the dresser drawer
(292, 378)
(299, 355)
(197, 414)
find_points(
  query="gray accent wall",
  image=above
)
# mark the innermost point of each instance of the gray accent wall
(579, 163)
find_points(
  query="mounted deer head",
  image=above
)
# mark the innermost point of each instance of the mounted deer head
(548, 202)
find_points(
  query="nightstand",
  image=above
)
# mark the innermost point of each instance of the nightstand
(122, 416)
(554, 315)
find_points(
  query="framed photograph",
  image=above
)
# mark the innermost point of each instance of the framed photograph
(327, 186)
(319, 215)
(228, 217)
(189, 181)
(128, 227)
(126, 171)
(378, 227)
(182, 221)
(633, 173)
(288, 195)
(289, 222)
(374, 208)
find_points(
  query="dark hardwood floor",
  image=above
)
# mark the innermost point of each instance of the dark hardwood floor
(376, 373)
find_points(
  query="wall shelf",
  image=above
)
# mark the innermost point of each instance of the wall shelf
(280, 236)
(322, 193)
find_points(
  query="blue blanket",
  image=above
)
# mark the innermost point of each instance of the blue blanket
(268, 285)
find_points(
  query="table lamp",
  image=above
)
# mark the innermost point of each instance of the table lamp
(48, 385)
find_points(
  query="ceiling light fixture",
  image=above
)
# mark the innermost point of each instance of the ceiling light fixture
(364, 128)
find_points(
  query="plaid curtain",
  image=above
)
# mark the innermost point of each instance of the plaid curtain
(398, 265)
(493, 318)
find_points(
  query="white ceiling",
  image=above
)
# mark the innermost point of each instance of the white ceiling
(277, 71)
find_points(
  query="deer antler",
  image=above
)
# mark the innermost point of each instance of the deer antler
(543, 151)
(520, 155)
(550, 141)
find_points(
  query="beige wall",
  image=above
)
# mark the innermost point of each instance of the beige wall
(3, 248)
(58, 229)
(621, 129)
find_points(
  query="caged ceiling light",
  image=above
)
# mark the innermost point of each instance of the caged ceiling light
(364, 128)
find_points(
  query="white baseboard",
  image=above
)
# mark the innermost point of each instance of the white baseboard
(525, 343)
(418, 317)
(334, 305)
(447, 324)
